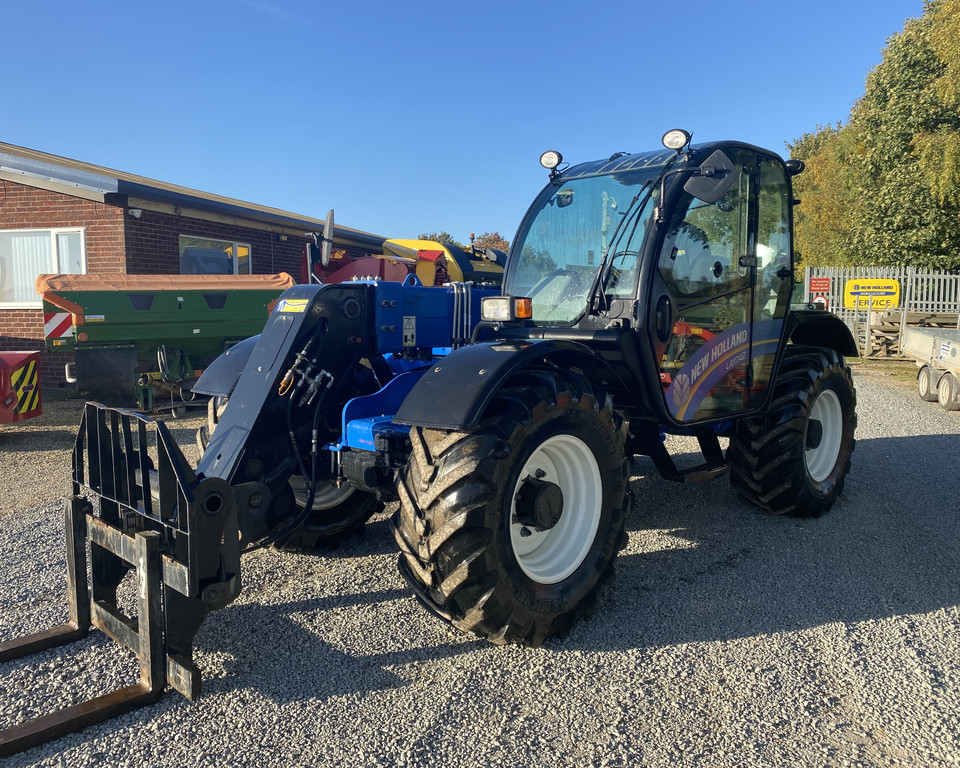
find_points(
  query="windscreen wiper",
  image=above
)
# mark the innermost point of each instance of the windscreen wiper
(599, 280)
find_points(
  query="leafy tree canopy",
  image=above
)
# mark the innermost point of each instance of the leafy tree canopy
(486, 240)
(492, 240)
(884, 189)
(444, 238)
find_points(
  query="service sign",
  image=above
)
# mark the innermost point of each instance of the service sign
(871, 293)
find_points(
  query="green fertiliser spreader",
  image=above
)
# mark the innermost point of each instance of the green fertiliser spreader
(145, 331)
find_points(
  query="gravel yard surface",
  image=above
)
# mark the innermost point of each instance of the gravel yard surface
(728, 638)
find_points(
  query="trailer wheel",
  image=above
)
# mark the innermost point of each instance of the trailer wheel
(947, 393)
(508, 531)
(795, 459)
(926, 386)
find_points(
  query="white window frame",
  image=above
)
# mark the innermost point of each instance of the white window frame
(234, 244)
(54, 266)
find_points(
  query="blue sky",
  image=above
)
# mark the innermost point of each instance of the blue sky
(419, 116)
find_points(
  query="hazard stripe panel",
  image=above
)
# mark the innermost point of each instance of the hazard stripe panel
(24, 382)
(57, 325)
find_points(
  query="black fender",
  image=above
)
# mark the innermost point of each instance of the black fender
(221, 376)
(454, 393)
(817, 328)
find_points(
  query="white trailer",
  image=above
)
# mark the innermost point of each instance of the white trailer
(937, 354)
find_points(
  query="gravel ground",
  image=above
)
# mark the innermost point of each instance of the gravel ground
(729, 638)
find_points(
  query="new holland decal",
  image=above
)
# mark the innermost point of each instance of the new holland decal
(726, 352)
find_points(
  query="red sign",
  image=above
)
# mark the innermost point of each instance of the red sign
(819, 285)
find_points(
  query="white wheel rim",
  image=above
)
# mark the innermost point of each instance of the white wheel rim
(923, 381)
(822, 459)
(551, 556)
(945, 390)
(329, 495)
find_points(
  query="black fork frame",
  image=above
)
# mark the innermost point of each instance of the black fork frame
(178, 533)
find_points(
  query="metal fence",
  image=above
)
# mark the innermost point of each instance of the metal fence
(927, 297)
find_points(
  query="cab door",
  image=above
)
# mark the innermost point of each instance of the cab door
(724, 276)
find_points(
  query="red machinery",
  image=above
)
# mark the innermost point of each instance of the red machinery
(19, 386)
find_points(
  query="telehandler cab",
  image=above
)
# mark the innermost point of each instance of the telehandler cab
(645, 294)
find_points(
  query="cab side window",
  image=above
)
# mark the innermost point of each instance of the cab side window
(698, 259)
(774, 267)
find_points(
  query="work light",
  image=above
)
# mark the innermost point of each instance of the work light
(551, 159)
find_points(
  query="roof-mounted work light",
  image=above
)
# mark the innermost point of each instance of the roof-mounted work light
(676, 138)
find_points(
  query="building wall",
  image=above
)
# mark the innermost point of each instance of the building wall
(117, 242)
(24, 207)
(153, 244)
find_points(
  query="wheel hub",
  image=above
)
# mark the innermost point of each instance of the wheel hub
(814, 434)
(560, 485)
(539, 504)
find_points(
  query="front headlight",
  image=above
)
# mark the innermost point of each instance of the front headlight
(506, 309)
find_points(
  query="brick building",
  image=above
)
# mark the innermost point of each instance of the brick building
(63, 216)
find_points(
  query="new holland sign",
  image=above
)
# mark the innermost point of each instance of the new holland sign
(871, 293)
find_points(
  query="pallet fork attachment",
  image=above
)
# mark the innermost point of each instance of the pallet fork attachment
(176, 531)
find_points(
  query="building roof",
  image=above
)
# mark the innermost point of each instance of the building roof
(73, 177)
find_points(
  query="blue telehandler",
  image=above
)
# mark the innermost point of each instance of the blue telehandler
(644, 295)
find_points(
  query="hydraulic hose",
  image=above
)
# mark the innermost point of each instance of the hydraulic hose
(301, 518)
(292, 394)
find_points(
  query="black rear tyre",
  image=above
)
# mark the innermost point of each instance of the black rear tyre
(344, 512)
(470, 550)
(795, 459)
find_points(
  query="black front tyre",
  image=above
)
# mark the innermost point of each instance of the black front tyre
(215, 406)
(470, 546)
(795, 459)
(339, 511)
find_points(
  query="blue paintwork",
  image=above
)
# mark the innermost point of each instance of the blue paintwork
(432, 310)
(364, 417)
(361, 434)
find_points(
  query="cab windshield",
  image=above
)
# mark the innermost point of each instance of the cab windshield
(561, 243)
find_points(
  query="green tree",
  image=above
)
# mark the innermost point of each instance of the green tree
(904, 222)
(444, 238)
(828, 198)
(492, 240)
(938, 146)
(884, 189)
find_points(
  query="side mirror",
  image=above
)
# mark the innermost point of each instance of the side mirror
(327, 248)
(713, 179)
(795, 167)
